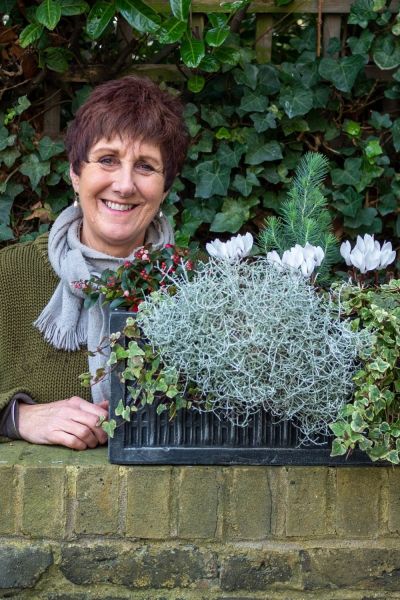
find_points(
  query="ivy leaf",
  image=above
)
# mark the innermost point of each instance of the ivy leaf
(56, 59)
(172, 31)
(341, 72)
(70, 8)
(253, 103)
(350, 175)
(244, 185)
(263, 122)
(268, 80)
(296, 101)
(215, 37)
(48, 13)
(386, 52)
(209, 64)
(266, 152)
(396, 134)
(139, 15)
(233, 215)
(99, 17)
(30, 34)
(213, 179)
(361, 12)
(362, 44)
(380, 121)
(228, 156)
(109, 427)
(33, 168)
(192, 51)
(9, 156)
(180, 9)
(247, 77)
(49, 148)
(6, 233)
(6, 203)
(338, 448)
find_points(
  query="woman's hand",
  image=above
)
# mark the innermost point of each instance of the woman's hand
(72, 423)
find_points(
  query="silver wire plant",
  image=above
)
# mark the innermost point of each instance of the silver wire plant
(252, 337)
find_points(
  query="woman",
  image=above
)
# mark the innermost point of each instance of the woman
(125, 146)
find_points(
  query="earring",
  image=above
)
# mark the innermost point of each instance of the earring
(76, 201)
(160, 213)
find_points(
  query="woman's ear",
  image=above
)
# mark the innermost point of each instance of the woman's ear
(74, 179)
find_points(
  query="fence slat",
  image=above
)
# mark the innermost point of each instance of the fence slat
(331, 29)
(264, 30)
(51, 117)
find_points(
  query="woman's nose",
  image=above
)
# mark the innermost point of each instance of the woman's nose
(124, 182)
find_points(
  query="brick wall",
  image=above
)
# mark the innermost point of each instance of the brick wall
(74, 527)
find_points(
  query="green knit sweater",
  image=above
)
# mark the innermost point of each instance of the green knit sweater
(27, 363)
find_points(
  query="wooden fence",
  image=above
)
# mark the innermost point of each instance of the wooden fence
(331, 16)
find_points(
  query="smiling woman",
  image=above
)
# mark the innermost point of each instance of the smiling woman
(125, 146)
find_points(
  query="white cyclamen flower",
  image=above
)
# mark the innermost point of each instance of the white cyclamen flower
(367, 254)
(237, 247)
(305, 258)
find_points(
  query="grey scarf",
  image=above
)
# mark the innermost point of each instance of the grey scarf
(64, 322)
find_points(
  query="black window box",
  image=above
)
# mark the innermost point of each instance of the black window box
(194, 438)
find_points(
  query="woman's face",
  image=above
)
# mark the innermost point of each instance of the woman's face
(120, 191)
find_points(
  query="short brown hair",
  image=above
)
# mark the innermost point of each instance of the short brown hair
(134, 107)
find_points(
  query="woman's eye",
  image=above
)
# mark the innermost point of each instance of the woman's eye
(141, 166)
(108, 161)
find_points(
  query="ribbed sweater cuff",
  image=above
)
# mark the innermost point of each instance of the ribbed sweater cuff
(9, 416)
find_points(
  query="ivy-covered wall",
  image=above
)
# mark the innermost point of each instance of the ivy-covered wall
(74, 527)
(330, 83)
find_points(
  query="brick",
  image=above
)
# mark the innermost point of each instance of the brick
(357, 501)
(258, 571)
(198, 502)
(361, 568)
(394, 500)
(21, 565)
(248, 503)
(148, 502)
(43, 502)
(307, 502)
(8, 499)
(137, 567)
(97, 506)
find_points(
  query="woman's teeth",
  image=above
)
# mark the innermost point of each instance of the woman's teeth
(116, 206)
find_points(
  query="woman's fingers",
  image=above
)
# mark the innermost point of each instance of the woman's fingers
(72, 423)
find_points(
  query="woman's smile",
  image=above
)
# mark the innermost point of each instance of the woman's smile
(120, 188)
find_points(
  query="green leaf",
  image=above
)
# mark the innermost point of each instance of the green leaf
(361, 44)
(338, 448)
(213, 179)
(361, 12)
(180, 9)
(215, 37)
(6, 233)
(253, 103)
(386, 52)
(244, 185)
(268, 80)
(296, 101)
(6, 203)
(109, 427)
(192, 51)
(99, 17)
(172, 31)
(266, 152)
(227, 56)
(396, 134)
(56, 59)
(247, 77)
(263, 122)
(379, 365)
(341, 72)
(209, 64)
(48, 13)
(9, 156)
(70, 8)
(196, 83)
(350, 175)
(49, 148)
(30, 34)
(380, 121)
(233, 215)
(373, 149)
(33, 168)
(352, 128)
(139, 15)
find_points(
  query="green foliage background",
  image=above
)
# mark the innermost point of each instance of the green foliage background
(250, 123)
